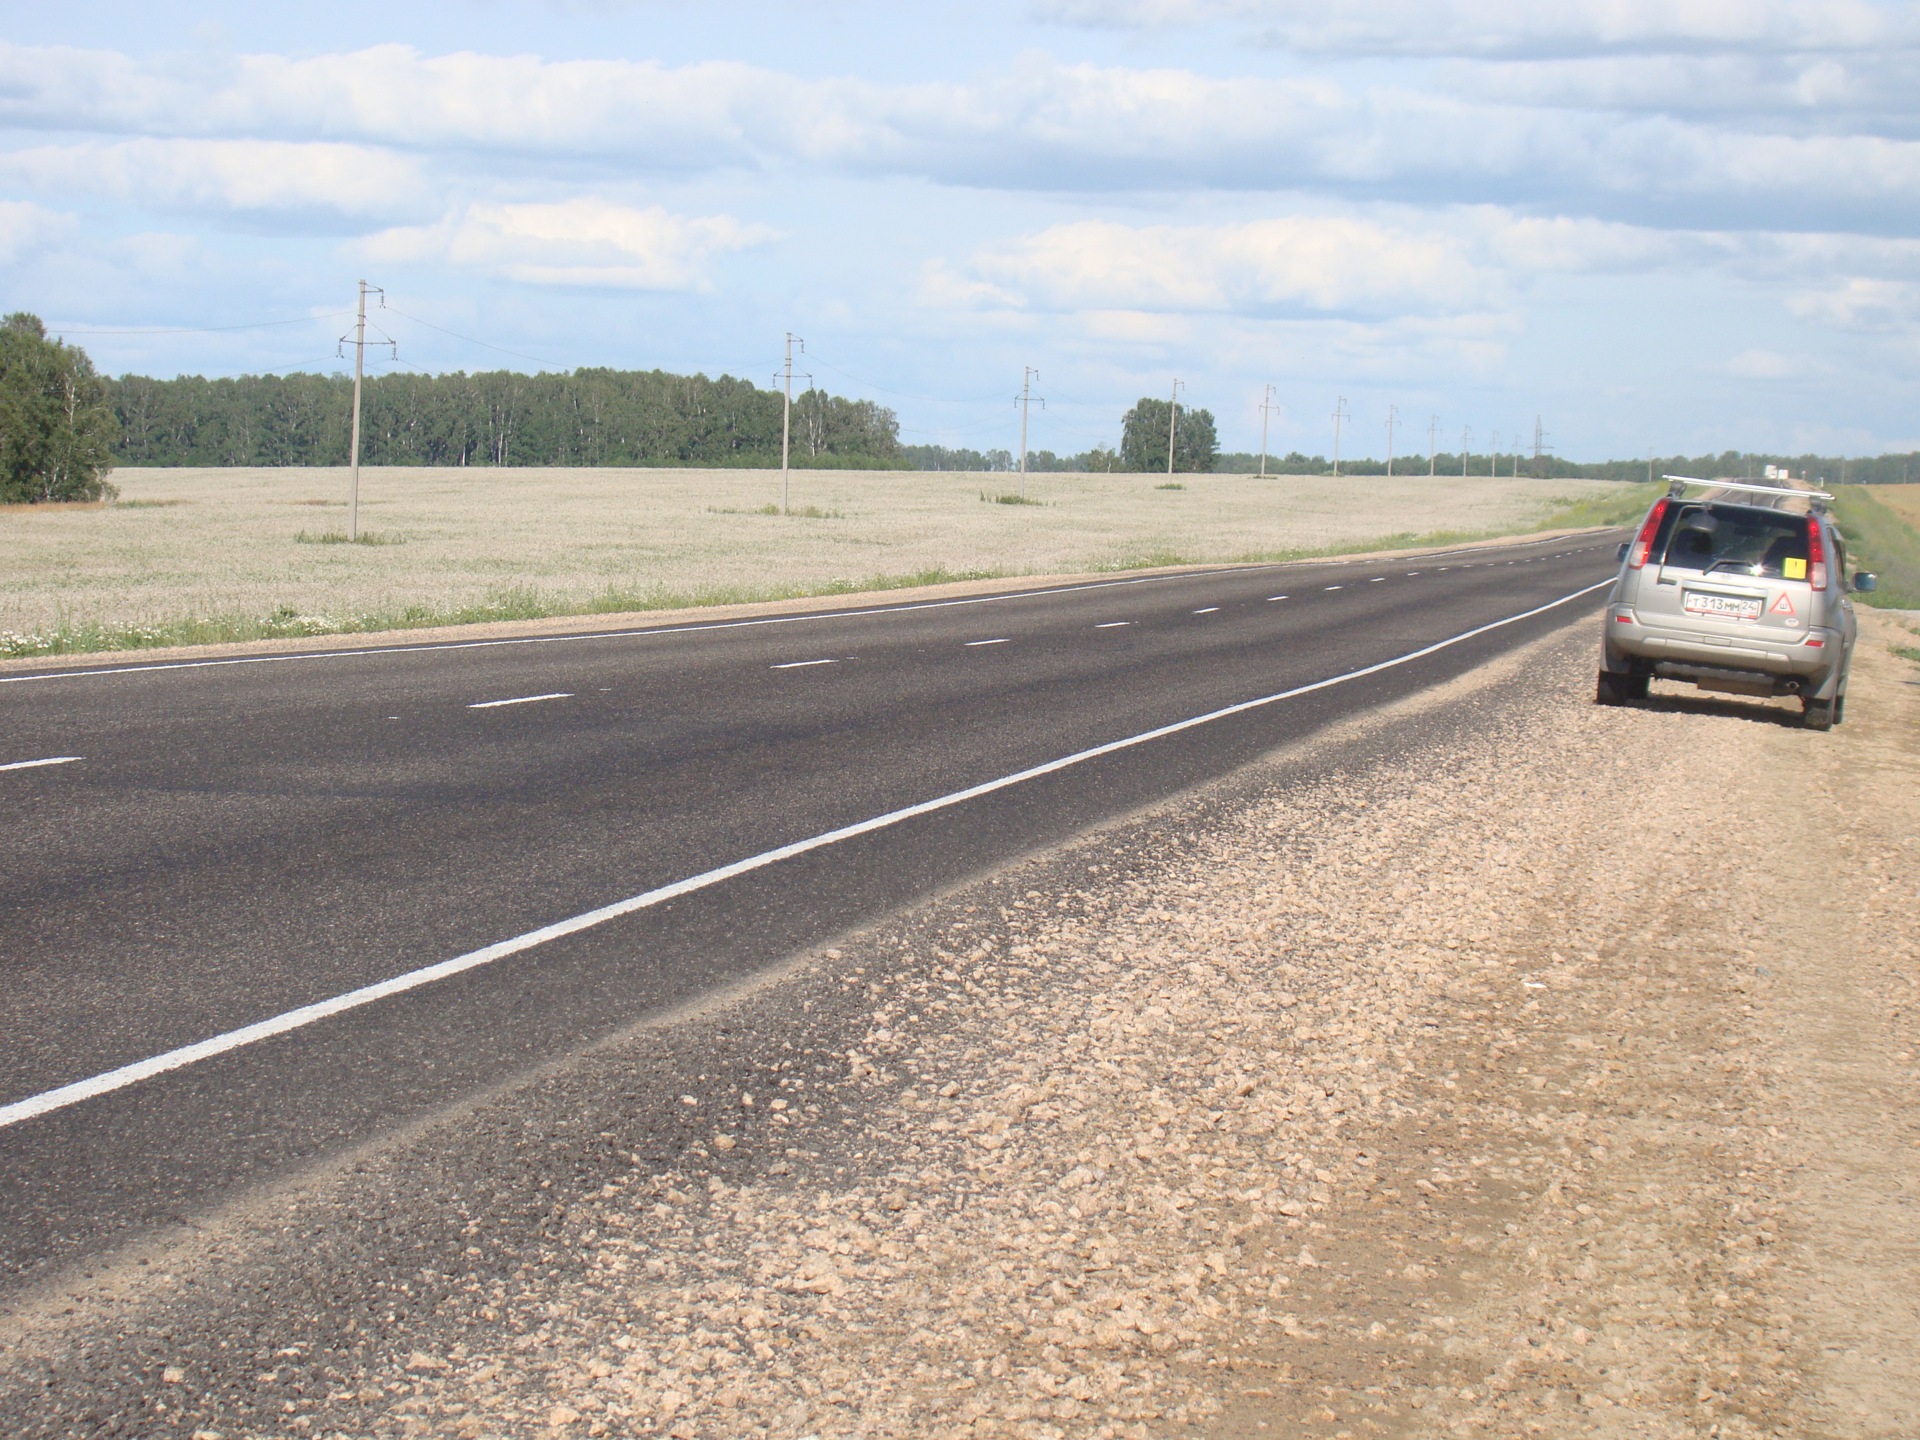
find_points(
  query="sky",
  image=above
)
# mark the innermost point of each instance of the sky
(1655, 226)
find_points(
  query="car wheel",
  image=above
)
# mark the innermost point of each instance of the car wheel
(1636, 686)
(1818, 714)
(1612, 689)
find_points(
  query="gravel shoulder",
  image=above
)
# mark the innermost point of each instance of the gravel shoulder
(1495, 1064)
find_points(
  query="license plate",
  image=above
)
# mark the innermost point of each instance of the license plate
(1727, 607)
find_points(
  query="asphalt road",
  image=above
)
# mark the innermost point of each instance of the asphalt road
(239, 840)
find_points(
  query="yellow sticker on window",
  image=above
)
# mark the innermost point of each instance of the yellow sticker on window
(1794, 569)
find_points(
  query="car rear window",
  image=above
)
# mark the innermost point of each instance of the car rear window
(1734, 539)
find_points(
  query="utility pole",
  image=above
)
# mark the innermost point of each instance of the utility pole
(1027, 376)
(1267, 407)
(1433, 444)
(1393, 414)
(1493, 456)
(1173, 422)
(1339, 414)
(786, 420)
(359, 374)
(1466, 444)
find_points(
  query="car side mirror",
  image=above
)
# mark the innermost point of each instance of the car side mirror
(1621, 553)
(1865, 582)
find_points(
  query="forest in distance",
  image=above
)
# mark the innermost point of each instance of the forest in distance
(605, 417)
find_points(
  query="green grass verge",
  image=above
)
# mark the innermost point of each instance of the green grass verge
(1882, 542)
(1010, 499)
(522, 602)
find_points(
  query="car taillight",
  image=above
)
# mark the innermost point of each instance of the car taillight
(1816, 555)
(1643, 542)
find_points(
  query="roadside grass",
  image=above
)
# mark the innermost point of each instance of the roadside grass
(1010, 499)
(1882, 542)
(1170, 485)
(517, 602)
(339, 537)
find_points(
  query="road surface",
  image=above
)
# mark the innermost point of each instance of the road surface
(228, 855)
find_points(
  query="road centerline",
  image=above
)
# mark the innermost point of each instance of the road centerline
(520, 700)
(134, 1073)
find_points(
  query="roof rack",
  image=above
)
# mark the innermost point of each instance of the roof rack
(1820, 499)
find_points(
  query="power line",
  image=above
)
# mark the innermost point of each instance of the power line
(193, 329)
(483, 344)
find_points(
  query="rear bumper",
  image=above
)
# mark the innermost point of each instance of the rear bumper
(1697, 655)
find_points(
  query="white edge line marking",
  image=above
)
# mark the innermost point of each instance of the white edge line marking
(800, 664)
(520, 700)
(36, 764)
(111, 1080)
(575, 636)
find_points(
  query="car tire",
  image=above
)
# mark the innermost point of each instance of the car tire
(1636, 686)
(1839, 709)
(1612, 689)
(1818, 714)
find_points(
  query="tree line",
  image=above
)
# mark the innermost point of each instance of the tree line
(56, 429)
(500, 417)
(63, 427)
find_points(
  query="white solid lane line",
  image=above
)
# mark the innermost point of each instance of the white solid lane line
(111, 1080)
(1112, 624)
(1208, 610)
(36, 764)
(801, 664)
(520, 700)
(1001, 641)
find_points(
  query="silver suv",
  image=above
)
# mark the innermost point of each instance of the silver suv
(1745, 598)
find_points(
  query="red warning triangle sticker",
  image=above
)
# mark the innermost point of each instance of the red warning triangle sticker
(1784, 605)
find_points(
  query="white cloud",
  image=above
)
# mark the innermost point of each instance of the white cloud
(225, 175)
(1860, 303)
(1484, 27)
(1762, 365)
(1038, 125)
(26, 227)
(580, 242)
(1320, 264)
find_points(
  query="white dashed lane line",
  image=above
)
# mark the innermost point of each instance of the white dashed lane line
(1272, 598)
(520, 700)
(1208, 610)
(36, 764)
(801, 664)
(1112, 624)
(1376, 579)
(971, 644)
(1333, 587)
